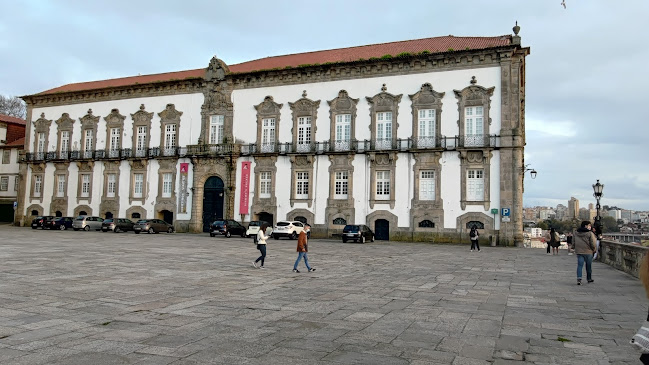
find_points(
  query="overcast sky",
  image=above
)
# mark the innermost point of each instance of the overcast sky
(584, 108)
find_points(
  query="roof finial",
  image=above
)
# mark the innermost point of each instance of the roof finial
(384, 88)
(304, 93)
(89, 111)
(141, 106)
(473, 80)
(516, 28)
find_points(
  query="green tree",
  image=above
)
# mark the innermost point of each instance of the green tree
(609, 224)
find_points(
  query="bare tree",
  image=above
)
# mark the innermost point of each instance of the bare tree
(12, 106)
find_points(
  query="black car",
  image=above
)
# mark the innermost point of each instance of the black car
(227, 227)
(358, 233)
(117, 224)
(61, 223)
(40, 221)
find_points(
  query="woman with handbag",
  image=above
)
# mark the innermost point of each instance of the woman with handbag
(261, 246)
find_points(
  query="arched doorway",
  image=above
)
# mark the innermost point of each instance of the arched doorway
(212, 201)
(266, 217)
(167, 216)
(382, 229)
(58, 214)
(109, 215)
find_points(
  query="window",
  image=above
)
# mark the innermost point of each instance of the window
(426, 224)
(302, 185)
(60, 186)
(216, 129)
(170, 136)
(167, 185)
(138, 185)
(85, 185)
(427, 185)
(16, 181)
(426, 128)
(475, 185)
(41, 142)
(4, 183)
(38, 184)
(384, 130)
(87, 146)
(300, 219)
(474, 125)
(383, 185)
(476, 224)
(303, 133)
(140, 144)
(65, 142)
(6, 155)
(264, 185)
(268, 135)
(115, 133)
(340, 222)
(111, 186)
(135, 216)
(341, 185)
(343, 131)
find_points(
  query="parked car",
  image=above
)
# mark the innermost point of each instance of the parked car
(152, 226)
(61, 223)
(227, 227)
(358, 233)
(290, 229)
(117, 224)
(253, 227)
(40, 220)
(87, 223)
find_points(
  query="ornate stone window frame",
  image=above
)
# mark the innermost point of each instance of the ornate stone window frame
(42, 125)
(114, 120)
(301, 163)
(432, 210)
(465, 218)
(136, 209)
(166, 166)
(138, 166)
(475, 159)
(85, 168)
(340, 208)
(259, 204)
(169, 116)
(473, 95)
(110, 204)
(427, 98)
(342, 104)
(217, 101)
(293, 214)
(141, 118)
(381, 161)
(65, 124)
(82, 208)
(60, 202)
(384, 102)
(37, 170)
(304, 107)
(88, 122)
(268, 109)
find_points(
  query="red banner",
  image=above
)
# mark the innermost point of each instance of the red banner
(184, 168)
(245, 188)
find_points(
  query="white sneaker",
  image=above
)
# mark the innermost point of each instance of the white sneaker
(569, 253)
(254, 264)
(471, 250)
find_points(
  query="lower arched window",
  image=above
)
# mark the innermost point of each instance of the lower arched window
(476, 224)
(83, 212)
(135, 215)
(426, 224)
(109, 215)
(58, 214)
(300, 219)
(340, 222)
(34, 212)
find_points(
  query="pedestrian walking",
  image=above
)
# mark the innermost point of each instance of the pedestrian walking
(641, 338)
(555, 241)
(569, 243)
(302, 249)
(261, 246)
(585, 242)
(474, 236)
(598, 236)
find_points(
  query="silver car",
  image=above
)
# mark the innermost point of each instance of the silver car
(87, 223)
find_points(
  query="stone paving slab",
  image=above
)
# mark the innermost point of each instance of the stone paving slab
(103, 298)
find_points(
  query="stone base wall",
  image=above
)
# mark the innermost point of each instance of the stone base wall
(622, 256)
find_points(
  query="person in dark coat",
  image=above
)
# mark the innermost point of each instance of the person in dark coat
(555, 241)
(474, 236)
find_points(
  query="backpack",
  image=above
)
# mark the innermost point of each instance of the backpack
(556, 236)
(473, 233)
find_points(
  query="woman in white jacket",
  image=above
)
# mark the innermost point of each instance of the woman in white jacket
(261, 246)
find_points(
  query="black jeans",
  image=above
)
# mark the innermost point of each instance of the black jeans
(548, 246)
(475, 245)
(262, 249)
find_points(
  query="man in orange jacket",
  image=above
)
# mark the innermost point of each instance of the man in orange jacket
(302, 249)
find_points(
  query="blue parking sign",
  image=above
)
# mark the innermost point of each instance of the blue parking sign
(505, 212)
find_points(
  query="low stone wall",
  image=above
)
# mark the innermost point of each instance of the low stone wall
(622, 256)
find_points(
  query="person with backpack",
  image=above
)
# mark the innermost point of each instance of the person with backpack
(261, 246)
(555, 241)
(474, 236)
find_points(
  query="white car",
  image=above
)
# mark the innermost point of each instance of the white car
(290, 229)
(253, 227)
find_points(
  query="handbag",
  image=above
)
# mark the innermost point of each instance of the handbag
(641, 339)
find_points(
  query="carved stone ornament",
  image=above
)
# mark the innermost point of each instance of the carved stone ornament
(137, 164)
(216, 70)
(343, 103)
(268, 107)
(65, 123)
(41, 124)
(427, 96)
(302, 160)
(38, 167)
(474, 157)
(89, 121)
(381, 159)
(304, 106)
(170, 114)
(114, 119)
(141, 117)
(85, 165)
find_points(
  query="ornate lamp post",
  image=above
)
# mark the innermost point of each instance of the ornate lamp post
(598, 188)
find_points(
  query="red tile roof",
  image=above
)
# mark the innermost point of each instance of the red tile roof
(13, 120)
(17, 143)
(432, 45)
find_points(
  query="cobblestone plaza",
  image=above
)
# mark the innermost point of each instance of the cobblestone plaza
(103, 298)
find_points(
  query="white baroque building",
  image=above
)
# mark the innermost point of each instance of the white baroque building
(417, 139)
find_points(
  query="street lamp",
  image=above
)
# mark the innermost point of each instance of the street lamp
(598, 188)
(532, 171)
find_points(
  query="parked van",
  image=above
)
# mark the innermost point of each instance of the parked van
(87, 223)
